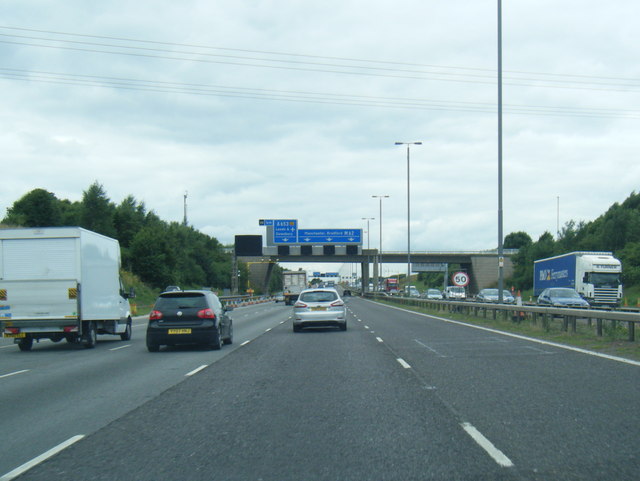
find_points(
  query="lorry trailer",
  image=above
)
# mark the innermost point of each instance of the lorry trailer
(294, 283)
(61, 283)
(596, 276)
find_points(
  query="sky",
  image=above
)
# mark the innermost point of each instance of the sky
(290, 110)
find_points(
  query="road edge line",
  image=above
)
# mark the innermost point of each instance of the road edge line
(39, 459)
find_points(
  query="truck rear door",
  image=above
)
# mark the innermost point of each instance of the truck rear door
(40, 305)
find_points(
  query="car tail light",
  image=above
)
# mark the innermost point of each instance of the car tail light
(300, 304)
(70, 328)
(337, 303)
(12, 330)
(155, 315)
(206, 314)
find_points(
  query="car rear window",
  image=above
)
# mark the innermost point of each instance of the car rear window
(181, 302)
(318, 296)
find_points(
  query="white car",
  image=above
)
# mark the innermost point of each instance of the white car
(454, 292)
(319, 307)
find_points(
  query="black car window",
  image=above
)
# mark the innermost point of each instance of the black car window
(319, 296)
(181, 302)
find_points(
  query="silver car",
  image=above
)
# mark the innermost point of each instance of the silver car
(319, 307)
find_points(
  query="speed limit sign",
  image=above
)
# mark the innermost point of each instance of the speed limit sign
(460, 279)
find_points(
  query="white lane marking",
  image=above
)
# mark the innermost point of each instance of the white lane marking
(43, 457)
(403, 363)
(524, 338)
(268, 329)
(497, 455)
(366, 327)
(379, 340)
(282, 322)
(430, 348)
(196, 370)
(121, 347)
(245, 343)
(14, 373)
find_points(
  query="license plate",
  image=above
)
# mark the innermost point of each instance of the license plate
(18, 335)
(319, 308)
(179, 331)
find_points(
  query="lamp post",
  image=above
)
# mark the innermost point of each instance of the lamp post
(368, 219)
(380, 247)
(408, 144)
(500, 220)
(368, 248)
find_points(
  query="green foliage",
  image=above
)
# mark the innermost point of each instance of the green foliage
(97, 211)
(617, 230)
(38, 208)
(517, 240)
(159, 253)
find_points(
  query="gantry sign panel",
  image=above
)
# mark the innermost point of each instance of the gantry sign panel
(286, 232)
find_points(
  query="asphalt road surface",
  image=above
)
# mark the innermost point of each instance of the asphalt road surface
(398, 396)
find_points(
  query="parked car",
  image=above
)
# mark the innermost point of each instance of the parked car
(491, 295)
(433, 294)
(561, 297)
(319, 307)
(189, 317)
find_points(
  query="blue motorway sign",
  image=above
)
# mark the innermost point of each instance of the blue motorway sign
(285, 231)
(329, 236)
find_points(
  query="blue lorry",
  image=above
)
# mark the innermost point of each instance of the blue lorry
(596, 276)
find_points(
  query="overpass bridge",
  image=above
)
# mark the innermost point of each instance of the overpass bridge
(482, 266)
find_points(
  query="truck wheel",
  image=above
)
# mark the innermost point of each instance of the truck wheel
(25, 344)
(126, 335)
(90, 336)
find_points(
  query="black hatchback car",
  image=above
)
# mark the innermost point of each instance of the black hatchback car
(189, 317)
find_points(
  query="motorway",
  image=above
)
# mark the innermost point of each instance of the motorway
(398, 396)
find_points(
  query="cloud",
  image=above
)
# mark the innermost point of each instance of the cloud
(292, 112)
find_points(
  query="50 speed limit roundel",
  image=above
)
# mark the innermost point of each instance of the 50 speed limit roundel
(460, 279)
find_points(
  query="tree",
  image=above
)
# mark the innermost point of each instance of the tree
(97, 211)
(38, 208)
(128, 219)
(516, 240)
(152, 257)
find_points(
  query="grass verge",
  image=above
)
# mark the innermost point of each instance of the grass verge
(614, 340)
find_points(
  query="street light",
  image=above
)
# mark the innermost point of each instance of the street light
(368, 219)
(368, 249)
(408, 144)
(380, 248)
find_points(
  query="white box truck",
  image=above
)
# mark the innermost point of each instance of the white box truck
(294, 283)
(61, 283)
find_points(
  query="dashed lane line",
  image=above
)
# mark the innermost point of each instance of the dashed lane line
(403, 363)
(197, 370)
(497, 455)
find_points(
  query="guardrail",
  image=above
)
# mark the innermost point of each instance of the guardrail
(519, 313)
(239, 301)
